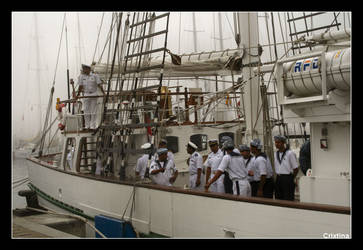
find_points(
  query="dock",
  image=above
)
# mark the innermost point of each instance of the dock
(26, 224)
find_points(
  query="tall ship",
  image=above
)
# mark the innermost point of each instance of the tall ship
(152, 93)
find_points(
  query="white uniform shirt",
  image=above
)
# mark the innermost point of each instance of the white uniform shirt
(89, 82)
(249, 164)
(288, 162)
(235, 166)
(195, 162)
(162, 178)
(213, 160)
(141, 165)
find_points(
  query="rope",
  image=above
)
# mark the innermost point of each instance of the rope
(67, 215)
(99, 31)
(52, 91)
(60, 45)
(23, 178)
(282, 33)
(20, 182)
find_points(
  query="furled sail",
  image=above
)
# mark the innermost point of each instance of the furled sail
(214, 63)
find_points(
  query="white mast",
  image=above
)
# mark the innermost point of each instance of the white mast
(248, 31)
(38, 67)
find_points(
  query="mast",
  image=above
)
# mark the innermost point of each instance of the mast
(38, 67)
(68, 90)
(248, 33)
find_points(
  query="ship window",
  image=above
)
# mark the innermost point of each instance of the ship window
(172, 143)
(69, 155)
(200, 140)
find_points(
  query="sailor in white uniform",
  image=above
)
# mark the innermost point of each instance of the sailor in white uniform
(163, 170)
(263, 172)
(143, 163)
(286, 168)
(88, 83)
(248, 159)
(234, 164)
(196, 179)
(163, 144)
(211, 164)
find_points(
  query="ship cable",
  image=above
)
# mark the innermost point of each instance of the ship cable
(51, 93)
(52, 212)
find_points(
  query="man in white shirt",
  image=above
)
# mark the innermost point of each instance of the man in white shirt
(196, 179)
(88, 83)
(211, 164)
(263, 172)
(286, 168)
(143, 163)
(163, 171)
(249, 164)
(234, 164)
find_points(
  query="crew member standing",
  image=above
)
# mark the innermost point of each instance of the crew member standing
(249, 160)
(211, 164)
(263, 171)
(88, 83)
(163, 171)
(195, 167)
(142, 165)
(226, 179)
(286, 168)
(234, 164)
(163, 144)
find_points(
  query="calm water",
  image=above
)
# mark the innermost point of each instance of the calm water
(19, 171)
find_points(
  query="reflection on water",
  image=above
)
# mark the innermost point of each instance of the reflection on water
(19, 172)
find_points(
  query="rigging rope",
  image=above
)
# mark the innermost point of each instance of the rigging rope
(99, 31)
(51, 92)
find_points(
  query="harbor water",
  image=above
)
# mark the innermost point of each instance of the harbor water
(19, 172)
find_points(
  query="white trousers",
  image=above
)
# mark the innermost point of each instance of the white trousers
(244, 187)
(193, 180)
(218, 185)
(90, 105)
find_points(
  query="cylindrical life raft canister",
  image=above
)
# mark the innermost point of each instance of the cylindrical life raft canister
(303, 78)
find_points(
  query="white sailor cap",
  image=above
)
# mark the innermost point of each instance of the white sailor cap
(225, 138)
(243, 147)
(146, 145)
(86, 66)
(256, 143)
(163, 141)
(192, 145)
(212, 142)
(280, 138)
(228, 145)
(161, 151)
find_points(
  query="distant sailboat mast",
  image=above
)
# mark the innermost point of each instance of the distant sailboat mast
(38, 68)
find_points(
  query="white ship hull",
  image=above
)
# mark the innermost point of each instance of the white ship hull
(175, 212)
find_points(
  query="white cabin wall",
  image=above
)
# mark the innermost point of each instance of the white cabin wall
(330, 181)
(334, 160)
